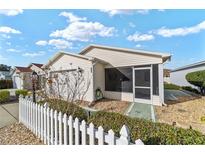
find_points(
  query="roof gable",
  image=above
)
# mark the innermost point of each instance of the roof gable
(126, 50)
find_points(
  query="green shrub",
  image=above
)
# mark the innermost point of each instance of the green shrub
(6, 84)
(198, 79)
(189, 88)
(4, 96)
(171, 86)
(66, 107)
(147, 131)
(21, 92)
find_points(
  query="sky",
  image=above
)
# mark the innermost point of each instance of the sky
(37, 35)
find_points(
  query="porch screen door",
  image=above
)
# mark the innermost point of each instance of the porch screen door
(142, 85)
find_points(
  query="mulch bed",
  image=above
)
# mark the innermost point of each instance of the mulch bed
(184, 114)
(18, 134)
(107, 105)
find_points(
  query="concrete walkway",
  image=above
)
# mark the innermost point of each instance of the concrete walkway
(8, 113)
(140, 110)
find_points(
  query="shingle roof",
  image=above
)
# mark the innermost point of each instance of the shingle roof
(38, 65)
(202, 63)
(23, 69)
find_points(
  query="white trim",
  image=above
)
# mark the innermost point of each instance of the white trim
(145, 101)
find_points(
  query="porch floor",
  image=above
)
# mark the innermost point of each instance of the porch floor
(140, 110)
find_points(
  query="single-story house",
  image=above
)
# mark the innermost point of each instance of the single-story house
(120, 73)
(21, 76)
(178, 75)
(167, 75)
(5, 75)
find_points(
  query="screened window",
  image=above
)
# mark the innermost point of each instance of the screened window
(118, 79)
(155, 80)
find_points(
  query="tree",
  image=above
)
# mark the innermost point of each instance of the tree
(4, 67)
(197, 79)
(70, 85)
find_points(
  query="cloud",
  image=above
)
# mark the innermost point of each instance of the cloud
(11, 12)
(5, 36)
(33, 54)
(60, 44)
(182, 31)
(57, 43)
(79, 30)
(131, 24)
(140, 37)
(9, 30)
(13, 50)
(138, 46)
(114, 12)
(41, 43)
(117, 12)
(71, 17)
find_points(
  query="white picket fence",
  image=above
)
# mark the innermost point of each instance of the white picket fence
(53, 128)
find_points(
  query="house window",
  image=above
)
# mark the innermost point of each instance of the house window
(118, 79)
(155, 79)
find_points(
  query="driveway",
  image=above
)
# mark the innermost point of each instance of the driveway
(8, 113)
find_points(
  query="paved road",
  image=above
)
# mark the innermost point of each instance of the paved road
(8, 113)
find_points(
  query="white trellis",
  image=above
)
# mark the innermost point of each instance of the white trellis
(53, 128)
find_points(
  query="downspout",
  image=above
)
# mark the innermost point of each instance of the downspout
(93, 65)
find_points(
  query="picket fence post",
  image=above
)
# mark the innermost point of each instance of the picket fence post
(77, 128)
(91, 133)
(48, 126)
(83, 132)
(65, 129)
(70, 123)
(60, 127)
(41, 123)
(124, 136)
(52, 128)
(56, 127)
(44, 124)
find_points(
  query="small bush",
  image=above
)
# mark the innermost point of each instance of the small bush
(147, 131)
(4, 96)
(6, 84)
(21, 92)
(171, 86)
(189, 88)
(66, 107)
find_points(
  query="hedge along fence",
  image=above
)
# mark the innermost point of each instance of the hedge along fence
(147, 131)
(55, 128)
(6, 84)
(4, 96)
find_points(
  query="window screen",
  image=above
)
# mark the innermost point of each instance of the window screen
(155, 80)
(118, 79)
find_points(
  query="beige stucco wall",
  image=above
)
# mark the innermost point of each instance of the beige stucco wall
(119, 59)
(99, 77)
(124, 96)
(66, 62)
(36, 69)
(99, 82)
(22, 80)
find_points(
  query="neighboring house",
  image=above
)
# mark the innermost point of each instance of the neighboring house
(178, 76)
(167, 75)
(21, 76)
(5, 75)
(120, 73)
